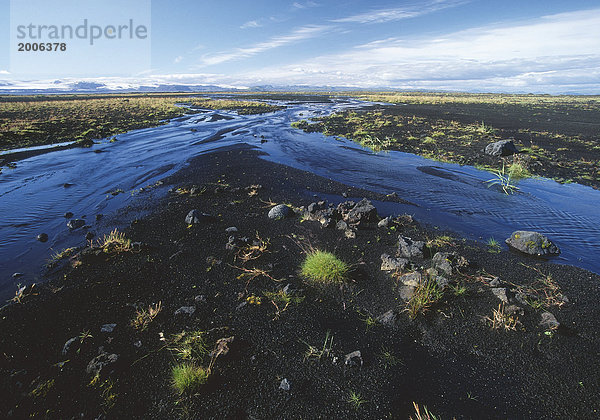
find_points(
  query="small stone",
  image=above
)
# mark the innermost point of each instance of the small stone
(17, 275)
(549, 321)
(448, 262)
(231, 229)
(495, 282)
(385, 222)
(353, 359)
(68, 215)
(99, 216)
(345, 194)
(350, 234)
(411, 279)
(409, 248)
(392, 264)
(501, 293)
(75, 223)
(442, 282)
(89, 235)
(42, 237)
(100, 362)
(185, 310)
(138, 344)
(341, 225)
(108, 328)
(363, 211)
(67, 346)
(280, 211)
(285, 385)
(200, 299)
(195, 217)
(388, 318)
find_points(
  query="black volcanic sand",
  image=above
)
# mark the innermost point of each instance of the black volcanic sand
(448, 359)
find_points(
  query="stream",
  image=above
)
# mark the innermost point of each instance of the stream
(105, 178)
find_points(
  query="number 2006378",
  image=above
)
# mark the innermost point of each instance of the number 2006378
(42, 46)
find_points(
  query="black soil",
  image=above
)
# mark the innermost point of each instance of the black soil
(448, 359)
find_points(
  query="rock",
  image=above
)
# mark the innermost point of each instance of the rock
(388, 318)
(406, 292)
(392, 196)
(75, 223)
(138, 344)
(501, 293)
(363, 211)
(353, 359)
(312, 207)
(231, 229)
(99, 216)
(17, 275)
(68, 215)
(495, 282)
(285, 385)
(350, 234)
(280, 211)
(549, 321)
(409, 248)
(195, 217)
(89, 235)
(501, 148)
(99, 363)
(448, 262)
(326, 222)
(67, 347)
(67, 185)
(532, 243)
(108, 328)
(392, 264)
(200, 299)
(42, 237)
(383, 223)
(411, 279)
(185, 310)
(345, 194)
(442, 282)
(341, 225)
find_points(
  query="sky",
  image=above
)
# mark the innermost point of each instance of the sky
(547, 46)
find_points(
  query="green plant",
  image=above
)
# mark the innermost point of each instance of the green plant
(187, 378)
(282, 300)
(493, 246)
(458, 290)
(324, 267)
(144, 317)
(426, 294)
(388, 358)
(115, 242)
(503, 179)
(313, 352)
(356, 400)
(190, 345)
(425, 415)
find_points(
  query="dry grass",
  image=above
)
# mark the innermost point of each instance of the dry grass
(144, 317)
(425, 415)
(502, 320)
(115, 242)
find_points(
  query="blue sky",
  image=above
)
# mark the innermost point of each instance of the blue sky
(504, 46)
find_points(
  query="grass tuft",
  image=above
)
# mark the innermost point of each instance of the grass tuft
(187, 378)
(115, 242)
(426, 294)
(324, 267)
(144, 317)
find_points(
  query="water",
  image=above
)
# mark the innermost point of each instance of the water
(33, 197)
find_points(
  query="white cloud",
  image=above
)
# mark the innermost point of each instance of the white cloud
(305, 5)
(4, 72)
(251, 24)
(399, 13)
(297, 35)
(178, 59)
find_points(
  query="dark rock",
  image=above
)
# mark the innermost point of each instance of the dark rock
(99, 216)
(108, 328)
(68, 215)
(99, 363)
(42, 237)
(280, 211)
(442, 282)
(549, 321)
(185, 310)
(388, 318)
(196, 217)
(89, 235)
(501, 148)
(409, 248)
(532, 243)
(75, 223)
(363, 211)
(67, 185)
(392, 264)
(448, 262)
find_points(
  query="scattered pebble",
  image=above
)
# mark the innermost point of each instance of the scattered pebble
(185, 310)
(285, 385)
(108, 328)
(42, 237)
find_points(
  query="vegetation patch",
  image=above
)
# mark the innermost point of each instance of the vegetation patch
(324, 268)
(188, 378)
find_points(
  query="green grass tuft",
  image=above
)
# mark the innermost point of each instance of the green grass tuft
(187, 378)
(324, 267)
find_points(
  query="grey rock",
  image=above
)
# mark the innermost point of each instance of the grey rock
(442, 282)
(495, 282)
(42, 237)
(312, 207)
(549, 321)
(448, 262)
(532, 243)
(231, 229)
(501, 148)
(501, 293)
(341, 225)
(406, 292)
(17, 275)
(388, 318)
(138, 344)
(392, 264)
(409, 248)
(75, 223)
(280, 211)
(100, 363)
(411, 279)
(353, 359)
(195, 217)
(200, 299)
(108, 328)
(67, 346)
(350, 234)
(285, 385)
(385, 222)
(185, 310)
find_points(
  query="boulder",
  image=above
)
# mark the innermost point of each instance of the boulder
(549, 321)
(280, 211)
(75, 223)
(532, 243)
(448, 262)
(501, 148)
(363, 211)
(409, 248)
(392, 264)
(411, 279)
